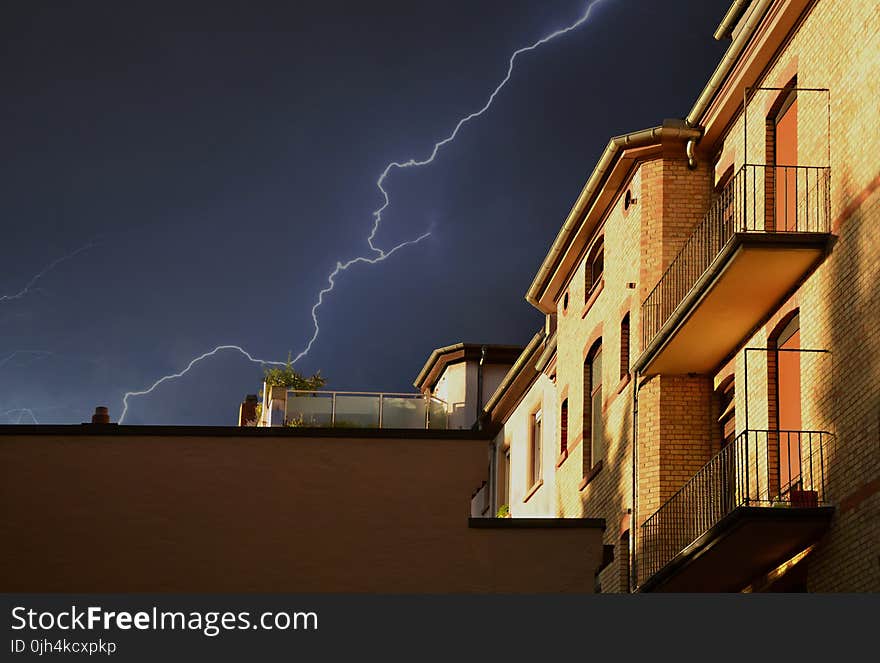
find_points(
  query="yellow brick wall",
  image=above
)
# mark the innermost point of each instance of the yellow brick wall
(837, 46)
(608, 494)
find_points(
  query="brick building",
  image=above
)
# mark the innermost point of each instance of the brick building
(699, 412)
(708, 377)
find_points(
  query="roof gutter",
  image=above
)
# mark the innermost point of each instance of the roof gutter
(528, 352)
(730, 56)
(612, 153)
(728, 23)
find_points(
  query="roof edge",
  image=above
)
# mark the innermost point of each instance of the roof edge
(669, 130)
(495, 353)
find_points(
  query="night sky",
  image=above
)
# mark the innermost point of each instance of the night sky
(209, 163)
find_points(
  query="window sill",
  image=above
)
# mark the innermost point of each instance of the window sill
(591, 299)
(622, 384)
(562, 458)
(590, 475)
(533, 490)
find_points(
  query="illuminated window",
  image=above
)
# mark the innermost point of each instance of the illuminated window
(593, 422)
(535, 447)
(595, 266)
(563, 427)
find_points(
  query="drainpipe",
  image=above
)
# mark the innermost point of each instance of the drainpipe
(480, 427)
(690, 150)
(483, 351)
(635, 484)
(493, 484)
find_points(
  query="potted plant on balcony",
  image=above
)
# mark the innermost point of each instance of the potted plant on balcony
(804, 499)
(288, 376)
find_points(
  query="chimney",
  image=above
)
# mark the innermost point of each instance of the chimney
(101, 416)
(247, 413)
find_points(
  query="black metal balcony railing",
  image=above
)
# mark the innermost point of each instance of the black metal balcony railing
(769, 468)
(758, 199)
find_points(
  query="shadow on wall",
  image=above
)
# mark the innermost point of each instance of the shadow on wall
(607, 497)
(850, 401)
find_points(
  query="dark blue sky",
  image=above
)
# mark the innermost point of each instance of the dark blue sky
(223, 157)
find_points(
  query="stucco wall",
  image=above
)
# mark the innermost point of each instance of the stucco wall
(515, 436)
(265, 512)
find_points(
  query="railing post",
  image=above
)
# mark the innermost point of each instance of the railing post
(333, 410)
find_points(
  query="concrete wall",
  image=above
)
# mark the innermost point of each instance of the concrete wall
(258, 510)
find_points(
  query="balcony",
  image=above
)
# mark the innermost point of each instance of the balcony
(763, 234)
(756, 504)
(350, 409)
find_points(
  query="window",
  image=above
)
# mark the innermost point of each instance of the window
(624, 347)
(563, 427)
(595, 266)
(725, 207)
(780, 177)
(727, 410)
(593, 424)
(787, 383)
(785, 157)
(504, 478)
(536, 445)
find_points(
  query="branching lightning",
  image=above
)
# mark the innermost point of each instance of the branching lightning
(21, 412)
(29, 286)
(192, 363)
(414, 163)
(380, 254)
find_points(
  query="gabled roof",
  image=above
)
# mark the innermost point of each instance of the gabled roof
(598, 193)
(452, 354)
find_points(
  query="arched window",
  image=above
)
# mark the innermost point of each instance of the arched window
(593, 422)
(782, 155)
(784, 381)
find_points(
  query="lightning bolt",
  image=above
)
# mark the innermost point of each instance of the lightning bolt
(186, 370)
(380, 254)
(22, 411)
(415, 163)
(48, 268)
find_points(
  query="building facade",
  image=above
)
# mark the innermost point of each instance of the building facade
(708, 377)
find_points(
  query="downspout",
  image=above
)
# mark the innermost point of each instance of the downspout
(479, 424)
(493, 475)
(483, 351)
(634, 516)
(691, 151)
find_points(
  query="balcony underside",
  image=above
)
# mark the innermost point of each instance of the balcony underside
(747, 543)
(741, 288)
